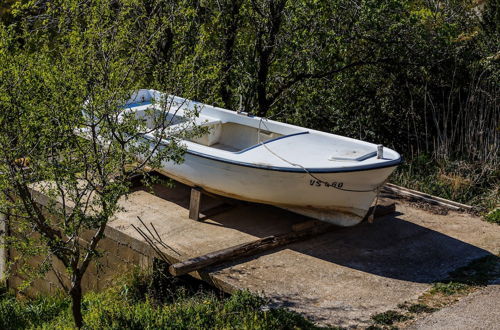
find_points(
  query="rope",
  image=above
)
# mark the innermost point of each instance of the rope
(377, 189)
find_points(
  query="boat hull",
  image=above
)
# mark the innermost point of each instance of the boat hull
(341, 197)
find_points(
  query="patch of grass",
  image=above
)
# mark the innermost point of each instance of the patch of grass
(449, 288)
(420, 308)
(479, 272)
(132, 304)
(389, 318)
(493, 216)
(462, 281)
(470, 183)
(15, 314)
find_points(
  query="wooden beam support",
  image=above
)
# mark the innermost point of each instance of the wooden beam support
(405, 192)
(194, 204)
(246, 249)
(300, 231)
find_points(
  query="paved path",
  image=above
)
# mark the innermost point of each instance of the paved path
(479, 310)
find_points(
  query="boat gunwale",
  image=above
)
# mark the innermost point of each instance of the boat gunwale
(357, 168)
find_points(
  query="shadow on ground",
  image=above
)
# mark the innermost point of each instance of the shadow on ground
(391, 247)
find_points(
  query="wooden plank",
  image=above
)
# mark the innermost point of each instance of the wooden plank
(194, 204)
(246, 249)
(402, 191)
(300, 231)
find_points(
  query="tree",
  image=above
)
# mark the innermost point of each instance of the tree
(62, 82)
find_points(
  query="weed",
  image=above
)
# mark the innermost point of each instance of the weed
(124, 306)
(449, 288)
(479, 272)
(389, 317)
(420, 308)
(493, 216)
(465, 182)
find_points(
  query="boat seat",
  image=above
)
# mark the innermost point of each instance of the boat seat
(358, 159)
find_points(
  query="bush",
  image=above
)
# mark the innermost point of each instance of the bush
(16, 314)
(122, 307)
(389, 318)
(475, 184)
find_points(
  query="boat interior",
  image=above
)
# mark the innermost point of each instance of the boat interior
(233, 137)
(239, 135)
(228, 136)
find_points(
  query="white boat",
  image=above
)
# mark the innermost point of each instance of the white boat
(324, 176)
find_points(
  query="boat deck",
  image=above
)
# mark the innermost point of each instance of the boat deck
(341, 277)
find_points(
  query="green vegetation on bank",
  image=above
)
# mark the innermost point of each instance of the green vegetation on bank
(476, 184)
(142, 302)
(477, 273)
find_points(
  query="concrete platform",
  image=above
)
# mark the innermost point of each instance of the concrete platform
(340, 278)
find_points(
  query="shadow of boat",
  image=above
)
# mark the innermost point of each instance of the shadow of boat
(391, 247)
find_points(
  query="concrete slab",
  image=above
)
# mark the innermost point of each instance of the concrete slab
(339, 278)
(479, 310)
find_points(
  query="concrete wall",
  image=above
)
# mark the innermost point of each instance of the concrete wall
(120, 256)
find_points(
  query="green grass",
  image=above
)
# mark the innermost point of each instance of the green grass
(449, 288)
(417, 308)
(493, 216)
(133, 305)
(477, 273)
(389, 318)
(420, 308)
(470, 183)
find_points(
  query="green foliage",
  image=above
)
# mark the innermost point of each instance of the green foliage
(66, 68)
(389, 318)
(22, 314)
(449, 288)
(6, 10)
(466, 182)
(479, 272)
(113, 310)
(494, 216)
(420, 308)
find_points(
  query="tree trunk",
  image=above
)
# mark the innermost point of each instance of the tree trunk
(227, 62)
(76, 301)
(265, 50)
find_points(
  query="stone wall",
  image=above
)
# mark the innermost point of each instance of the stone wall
(120, 254)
